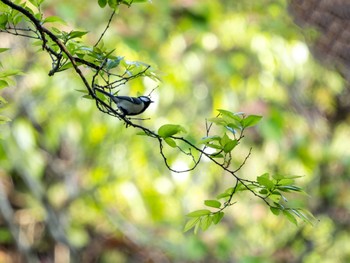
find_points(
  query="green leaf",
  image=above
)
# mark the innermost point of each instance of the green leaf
(214, 146)
(102, 3)
(196, 227)
(191, 223)
(218, 121)
(3, 49)
(171, 142)
(290, 217)
(113, 63)
(212, 203)
(199, 213)
(275, 210)
(3, 21)
(206, 222)
(4, 119)
(36, 3)
(263, 191)
(275, 197)
(227, 193)
(280, 176)
(3, 84)
(54, 19)
(285, 182)
(265, 181)
(230, 145)
(230, 115)
(8, 73)
(304, 215)
(225, 139)
(208, 139)
(251, 120)
(168, 130)
(290, 188)
(76, 34)
(217, 217)
(113, 4)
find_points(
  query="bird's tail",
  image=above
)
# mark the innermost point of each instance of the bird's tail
(106, 93)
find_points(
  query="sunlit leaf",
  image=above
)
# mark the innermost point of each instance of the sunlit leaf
(4, 119)
(251, 120)
(290, 217)
(214, 146)
(206, 222)
(54, 19)
(76, 34)
(228, 192)
(229, 146)
(168, 130)
(229, 114)
(198, 213)
(275, 198)
(191, 223)
(212, 203)
(3, 49)
(217, 217)
(209, 139)
(8, 73)
(265, 181)
(218, 121)
(171, 142)
(3, 84)
(290, 188)
(275, 210)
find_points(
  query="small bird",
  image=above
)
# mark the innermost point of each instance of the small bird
(129, 105)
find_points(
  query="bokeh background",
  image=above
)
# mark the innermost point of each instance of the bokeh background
(83, 186)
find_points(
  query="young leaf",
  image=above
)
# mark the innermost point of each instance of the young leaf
(230, 145)
(217, 217)
(290, 188)
(290, 217)
(3, 84)
(3, 49)
(113, 63)
(76, 34)
(218, 121)
(207, 139)
(196, 227)
(212, 203)
(251, 120)
(275, 211)
(275, 198)
(285, 182)
(53, 19)
(102, 3)
(170, 142)
(206, 222)
(191, 223)
(199, 213)
(168, 130)
(265, 181)
(227, 193)
(225, 139)
(229, 114)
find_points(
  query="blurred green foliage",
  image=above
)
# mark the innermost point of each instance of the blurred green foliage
(114, 199)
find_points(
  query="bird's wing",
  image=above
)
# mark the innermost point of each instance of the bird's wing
(130, 99)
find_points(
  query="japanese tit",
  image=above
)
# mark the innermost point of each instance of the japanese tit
(130, 105)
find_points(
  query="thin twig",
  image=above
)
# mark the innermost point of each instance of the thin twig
(105, 30)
